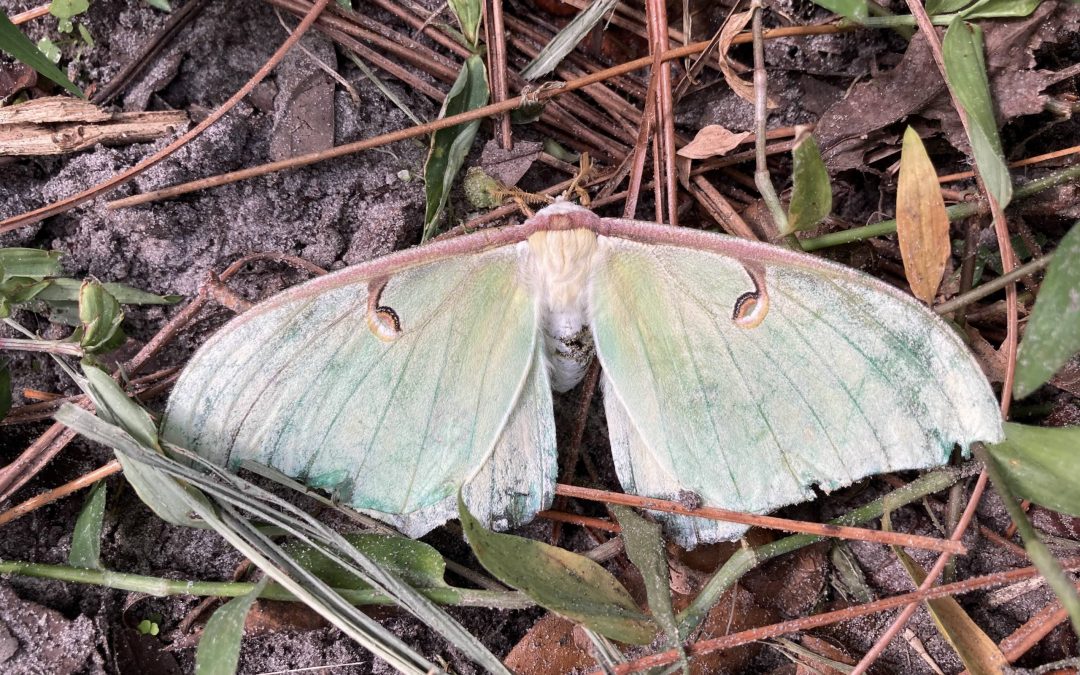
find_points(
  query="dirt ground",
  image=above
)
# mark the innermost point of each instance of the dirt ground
(334, 214)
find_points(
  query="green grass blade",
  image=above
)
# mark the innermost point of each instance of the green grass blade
(811, 193)
(644, 546)
(13, 42)
(1037, 550)
(564, 42)
(856, 10)
(1041, 464)
(965, 66)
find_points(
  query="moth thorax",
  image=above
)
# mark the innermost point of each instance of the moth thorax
(561, 264)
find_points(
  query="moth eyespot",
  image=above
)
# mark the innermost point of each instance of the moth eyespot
(750, 309)
(384, 323)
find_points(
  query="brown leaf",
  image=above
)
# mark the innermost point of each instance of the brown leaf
(826, 649)
(14, 77)
(508, 166)
(712, 141)
(548, 648)
(992, 359)
(922, 224)
(732, 27)
(274, 616)
(792, 584)
(303, 107)
(736, 611)
(855, 125)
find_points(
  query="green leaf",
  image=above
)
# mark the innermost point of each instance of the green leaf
(469, 13)
(965, 66)
(856, 10)
(13, 42)
(450, 146)
(1001, 9)
(18, 290)
(644, 546)
(86, 539)
(164, 495)
(66, 9)
(148, 627)
(811, 194)
(416, 563)
(28, 262)
(49, 50)
(945, 6)
(67, 290)
(1052, 335)
(1037, 551)
(561, 581)
(100, 317)
(165, 6)
(567, 39)
(1041, 464)
(5, 390)
(219, 647)
(84, 33)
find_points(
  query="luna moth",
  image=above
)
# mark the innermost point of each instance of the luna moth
(742, 372)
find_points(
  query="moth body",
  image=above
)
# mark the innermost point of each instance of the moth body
(560, 263)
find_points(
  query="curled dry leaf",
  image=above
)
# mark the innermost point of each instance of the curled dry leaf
(735, 24)
(922, 224)
(712, 141)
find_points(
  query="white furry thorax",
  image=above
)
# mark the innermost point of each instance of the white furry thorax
(561, 264)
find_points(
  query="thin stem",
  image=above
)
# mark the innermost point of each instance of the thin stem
(158, 586)
(740, 563)
(983, 290)
(761, 113)
(757, 520)
(47, 346)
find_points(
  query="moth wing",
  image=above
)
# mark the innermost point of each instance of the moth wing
(301, 383)
(641, 473)
(843, 377)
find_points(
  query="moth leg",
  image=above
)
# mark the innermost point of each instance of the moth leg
(584, 173)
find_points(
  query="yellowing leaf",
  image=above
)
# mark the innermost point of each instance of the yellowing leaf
(922, 224)
(974, 647)
(712, 141)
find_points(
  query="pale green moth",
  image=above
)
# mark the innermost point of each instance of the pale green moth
(743, 372)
